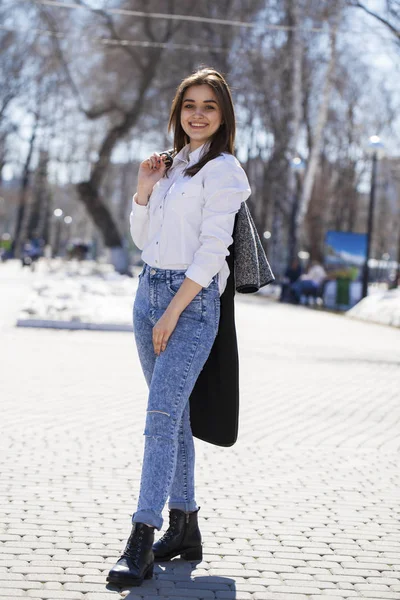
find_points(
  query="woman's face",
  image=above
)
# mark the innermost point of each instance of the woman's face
(200, 115)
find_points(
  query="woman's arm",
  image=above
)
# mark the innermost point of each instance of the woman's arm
(225, 188)
(139, 223)
(150, 171)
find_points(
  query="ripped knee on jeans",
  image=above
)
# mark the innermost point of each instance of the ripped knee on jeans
(158, 425)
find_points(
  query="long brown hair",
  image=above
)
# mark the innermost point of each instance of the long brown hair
(223, 139)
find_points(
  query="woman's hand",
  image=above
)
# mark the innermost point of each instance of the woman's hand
(163, 330)
(150, 171)
(165, 326)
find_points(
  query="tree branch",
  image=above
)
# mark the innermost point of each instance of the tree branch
(93, 113)
(132, 53)
(118, 131)
(385, 22)
(6, 101)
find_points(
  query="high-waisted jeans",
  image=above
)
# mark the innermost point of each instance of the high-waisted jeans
(169, 457)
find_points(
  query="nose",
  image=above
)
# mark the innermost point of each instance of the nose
(198, 112)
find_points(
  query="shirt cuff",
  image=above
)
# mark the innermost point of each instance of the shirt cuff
(139, 207)
(198, 275)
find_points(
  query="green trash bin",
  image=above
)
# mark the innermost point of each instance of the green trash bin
(343, 291)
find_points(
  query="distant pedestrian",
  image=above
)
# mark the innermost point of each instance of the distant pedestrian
(309, 283)
(182, 218)
(32, 250)
(292, 274)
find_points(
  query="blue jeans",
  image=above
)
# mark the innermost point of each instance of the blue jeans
(169, 457)
(303, 286)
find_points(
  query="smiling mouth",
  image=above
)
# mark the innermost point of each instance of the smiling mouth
(198, 125)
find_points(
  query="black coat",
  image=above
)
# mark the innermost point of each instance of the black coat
(214, 402)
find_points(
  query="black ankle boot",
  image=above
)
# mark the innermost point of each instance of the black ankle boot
(182, 538)
(137, 560)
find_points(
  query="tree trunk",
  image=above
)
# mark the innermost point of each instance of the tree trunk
(314, 158)
(21, 228)
(38, 225)
(89, 191)
(293, 230)
(102, 218)
(296, 46)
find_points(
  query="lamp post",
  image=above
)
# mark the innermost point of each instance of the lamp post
(375, 143)
(298, 166)
(58, 213)
(68, 222)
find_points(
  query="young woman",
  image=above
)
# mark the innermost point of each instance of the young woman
(182, 218)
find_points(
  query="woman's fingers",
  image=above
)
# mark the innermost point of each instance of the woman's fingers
(155, 161)
(155, 164)
(160, 347)
(163, 330)
(160, 341)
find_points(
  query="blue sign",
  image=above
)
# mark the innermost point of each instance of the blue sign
(345, 254)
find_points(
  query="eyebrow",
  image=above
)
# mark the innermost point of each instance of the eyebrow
(190, 100)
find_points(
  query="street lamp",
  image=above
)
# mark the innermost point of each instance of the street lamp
(68, 221)
(376, 144)
(58, 213)
(298, 163)
(297, 166)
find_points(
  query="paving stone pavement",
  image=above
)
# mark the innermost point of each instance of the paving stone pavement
(304, 506)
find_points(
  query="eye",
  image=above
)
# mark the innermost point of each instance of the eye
(188, 105)
(210, 106)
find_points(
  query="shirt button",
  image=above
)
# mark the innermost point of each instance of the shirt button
(156, 262)
(157, 243)
(160, 205)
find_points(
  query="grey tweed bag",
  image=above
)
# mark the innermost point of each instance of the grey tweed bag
(251, 267)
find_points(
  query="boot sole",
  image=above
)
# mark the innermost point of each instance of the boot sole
(121, 580)
(190, 554)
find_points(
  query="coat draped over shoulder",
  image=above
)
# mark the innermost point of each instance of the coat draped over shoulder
(214, 402)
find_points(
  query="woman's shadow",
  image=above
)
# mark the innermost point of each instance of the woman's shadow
(180, 575)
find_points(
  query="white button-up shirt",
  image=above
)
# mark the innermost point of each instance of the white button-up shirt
(188, 222)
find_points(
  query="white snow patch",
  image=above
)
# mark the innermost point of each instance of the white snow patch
(79, 296)
(381, 307)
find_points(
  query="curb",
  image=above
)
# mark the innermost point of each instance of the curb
(73, 325)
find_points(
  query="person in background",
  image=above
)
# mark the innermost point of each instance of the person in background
(308, 283)
(292, 274)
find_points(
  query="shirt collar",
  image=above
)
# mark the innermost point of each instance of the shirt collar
(186, 156)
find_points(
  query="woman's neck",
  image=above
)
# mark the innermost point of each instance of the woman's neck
(195, 145)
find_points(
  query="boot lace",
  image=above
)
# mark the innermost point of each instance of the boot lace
(171, 531)
(134, 545)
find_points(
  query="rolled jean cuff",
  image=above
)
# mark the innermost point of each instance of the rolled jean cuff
(184, 506)
(149, 517)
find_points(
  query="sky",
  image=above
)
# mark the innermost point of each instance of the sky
(377, 48)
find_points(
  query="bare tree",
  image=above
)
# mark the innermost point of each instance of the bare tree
(322, 116)
(130, 79)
